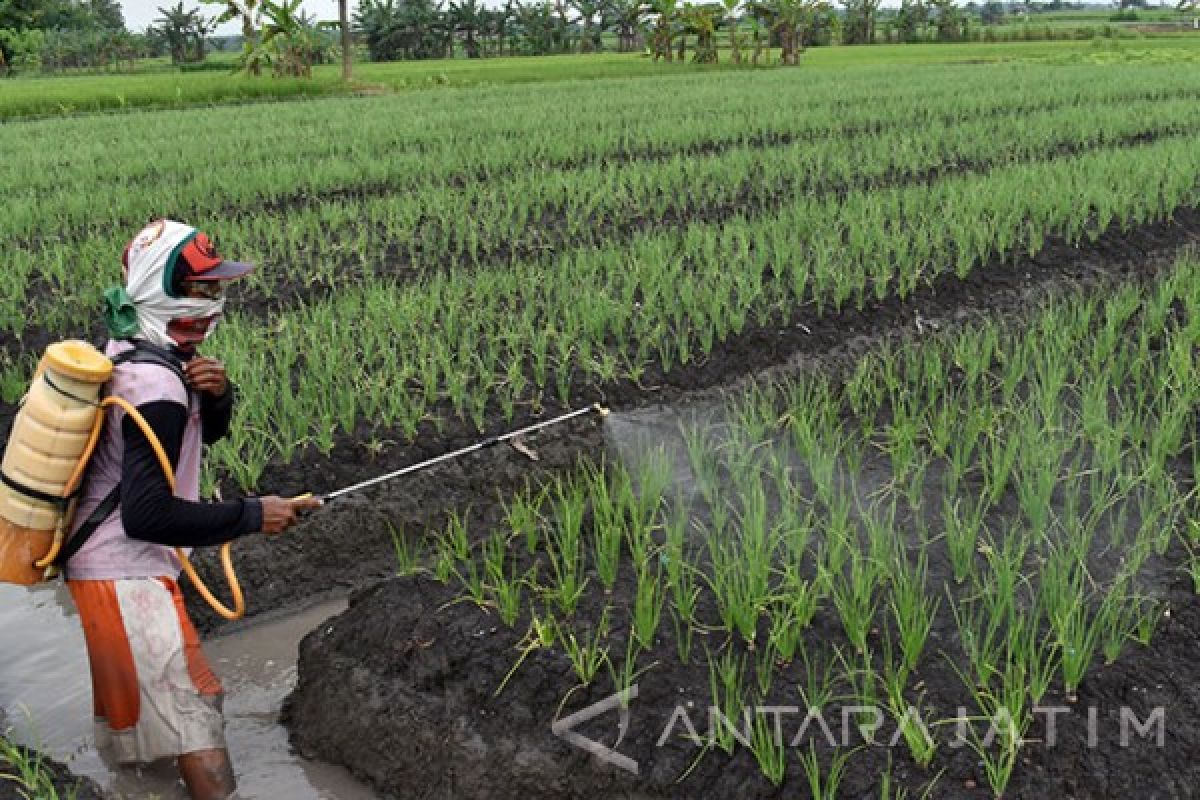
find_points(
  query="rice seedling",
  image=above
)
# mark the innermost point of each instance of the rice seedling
(608, 528)
(962, 530)
(854, 594)
(648, 600)
(522, 517)
(408, 557)
(740, 570)
(1076, 629)
(437, 288)
(726, 680)
(824, 785)
(565, 552)
(28, 775)
(913, 607)
(587, 655)
(906, 716)
(791, 611)
(770, 752)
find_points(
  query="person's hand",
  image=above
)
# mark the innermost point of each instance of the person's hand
(206, 374)
(281, 513)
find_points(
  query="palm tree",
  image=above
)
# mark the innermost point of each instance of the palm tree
(536, 25)
(588, 10)
(347, 41)
(947, 20)
(859, 24)
(495, 27)
(395, 29)
(561, 33)
(911, 20)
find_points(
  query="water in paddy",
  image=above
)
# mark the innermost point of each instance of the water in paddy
(46, 693)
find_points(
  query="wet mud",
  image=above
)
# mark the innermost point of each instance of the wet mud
(45, 692)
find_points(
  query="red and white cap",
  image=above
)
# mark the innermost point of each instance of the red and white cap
(205, 265)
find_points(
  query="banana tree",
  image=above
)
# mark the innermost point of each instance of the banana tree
(587, 10)
(184, 32)
(788, 20)
(664, 13)
(292, 42)
(701, 21)
(249, 13)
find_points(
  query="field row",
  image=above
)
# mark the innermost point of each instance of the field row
(1011, 496)
(348, 148)
(531, 218)
(462, 302)
(484, 343)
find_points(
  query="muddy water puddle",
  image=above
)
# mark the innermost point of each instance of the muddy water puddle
(45, 692)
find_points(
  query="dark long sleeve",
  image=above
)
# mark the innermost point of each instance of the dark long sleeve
(216, 413)
(150, 512)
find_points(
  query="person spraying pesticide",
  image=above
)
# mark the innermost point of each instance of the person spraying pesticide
(155, 695)
(100, 481)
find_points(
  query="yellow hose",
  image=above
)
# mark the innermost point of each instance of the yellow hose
(239, 600)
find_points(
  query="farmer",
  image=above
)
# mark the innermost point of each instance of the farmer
(155, 694)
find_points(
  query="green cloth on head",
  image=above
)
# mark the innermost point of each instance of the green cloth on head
(119, 313)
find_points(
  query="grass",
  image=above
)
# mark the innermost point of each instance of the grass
(45, 96)
(59, 96)
(73, 94)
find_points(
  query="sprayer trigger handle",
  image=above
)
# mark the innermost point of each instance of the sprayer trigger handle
(306, 496)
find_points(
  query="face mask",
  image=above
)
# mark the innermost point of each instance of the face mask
(145, 308)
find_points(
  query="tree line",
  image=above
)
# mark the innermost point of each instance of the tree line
(278, 35)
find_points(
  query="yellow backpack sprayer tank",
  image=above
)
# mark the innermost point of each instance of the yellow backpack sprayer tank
(53, 433)
(53, 437)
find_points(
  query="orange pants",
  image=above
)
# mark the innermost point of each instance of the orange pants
(155, 694)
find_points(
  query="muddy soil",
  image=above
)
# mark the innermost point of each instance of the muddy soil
(403, 688)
